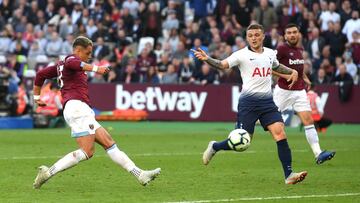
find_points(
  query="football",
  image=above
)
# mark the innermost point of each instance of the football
(239, 140)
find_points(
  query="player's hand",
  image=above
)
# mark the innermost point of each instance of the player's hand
(308, 84)
(103, 70)
(293, 78)
(200, 54)
(40, 102)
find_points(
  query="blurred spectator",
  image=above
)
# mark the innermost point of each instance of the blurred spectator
(171, 23)
(173, 39)
(345, 83)
(265, 15)
(345, 12)
(352, 25)
(151, 21)
(53, 102)
(53, 47)
(23, 104)
(67, 48)
(355, 48)
(128, 20)
(133, 6)
(164, 62)
(320, 78)
(241, 14)
(102, 31)
(180, 52)
(328, 15)
(144, 61)
(350, 67)
(171, 76)
(336, 40)
(152, 76)
(129, 75)
(317, 111)
(5, 42)
(186, 70)
(91, 28)
(316, 44)
(35, 50)
(100, 49)
(203, 77)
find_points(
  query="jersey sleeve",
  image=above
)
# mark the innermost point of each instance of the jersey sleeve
(276, 62)
(73, 63)
(233, 60)
(46, 73)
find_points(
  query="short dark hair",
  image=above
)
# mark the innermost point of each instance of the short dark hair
(255, 26)
(290, 25)
(82, 41)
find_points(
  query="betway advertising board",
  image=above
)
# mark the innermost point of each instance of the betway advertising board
(200, 103)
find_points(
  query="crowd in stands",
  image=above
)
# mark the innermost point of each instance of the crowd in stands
(148, 41)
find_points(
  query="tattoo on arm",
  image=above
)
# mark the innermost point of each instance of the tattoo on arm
(215, 63)
(283, 69)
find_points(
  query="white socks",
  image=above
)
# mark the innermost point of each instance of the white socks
(68, 161)
(123, 160)
(313, 139)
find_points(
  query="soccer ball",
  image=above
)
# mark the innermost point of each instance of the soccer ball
(239, 140)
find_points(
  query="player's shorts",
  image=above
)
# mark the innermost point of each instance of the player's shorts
(287, 99)
(81, 118)
(266, 111)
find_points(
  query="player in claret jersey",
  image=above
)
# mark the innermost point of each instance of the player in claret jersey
(72, 79)
(290, 55)
(256, 102)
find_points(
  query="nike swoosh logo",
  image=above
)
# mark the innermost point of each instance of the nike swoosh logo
(252, 59)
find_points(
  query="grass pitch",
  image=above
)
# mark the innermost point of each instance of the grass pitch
(254, 175)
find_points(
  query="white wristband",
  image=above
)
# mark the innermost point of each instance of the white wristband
(36, 97)
(95, 68)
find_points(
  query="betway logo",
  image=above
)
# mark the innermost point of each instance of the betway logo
(154, 99)
(296, 61)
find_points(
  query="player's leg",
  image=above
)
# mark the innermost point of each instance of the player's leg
(310, 131)
(303, 109)
(85, 151)
(119, 157)
(246, 119)
(270, 118)
(75, 114)
(277, 131)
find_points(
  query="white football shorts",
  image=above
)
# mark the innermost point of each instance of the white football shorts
(291, 99)
(81, 118)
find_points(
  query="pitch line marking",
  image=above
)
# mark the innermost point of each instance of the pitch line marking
(269, 198)
(141, 154)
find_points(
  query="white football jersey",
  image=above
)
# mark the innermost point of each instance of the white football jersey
(255, 69)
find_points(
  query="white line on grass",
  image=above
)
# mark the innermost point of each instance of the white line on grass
(268, 198)
(143, 154)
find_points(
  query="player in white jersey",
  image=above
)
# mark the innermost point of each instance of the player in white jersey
(290, 55)
(256, 103)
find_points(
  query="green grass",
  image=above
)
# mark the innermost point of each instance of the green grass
(176, 147)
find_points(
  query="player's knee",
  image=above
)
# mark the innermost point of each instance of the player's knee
(308, 120)
(89, 152)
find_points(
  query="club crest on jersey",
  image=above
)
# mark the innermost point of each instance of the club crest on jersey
(261, 72)
(296, 61)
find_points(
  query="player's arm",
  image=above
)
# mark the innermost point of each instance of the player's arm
(289, 74)
(306, 80)
(215, 63)
(78, 65)
(94, 68)
(46, 73)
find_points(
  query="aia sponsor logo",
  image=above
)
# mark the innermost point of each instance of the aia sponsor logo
(261, 72)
